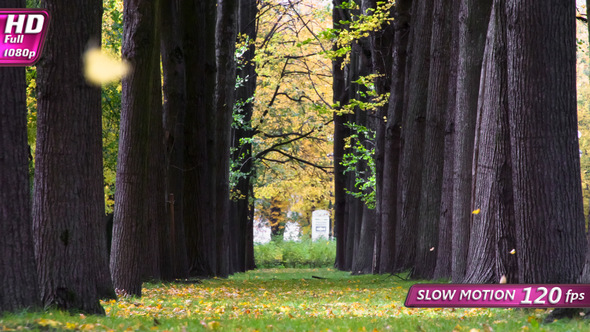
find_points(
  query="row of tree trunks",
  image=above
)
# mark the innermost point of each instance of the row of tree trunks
(469, 187)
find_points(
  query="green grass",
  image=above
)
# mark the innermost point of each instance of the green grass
(303, 254)
(287, 300)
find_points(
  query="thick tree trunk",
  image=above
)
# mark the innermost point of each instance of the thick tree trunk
(18, 274)
(433, 157)
(174, 89)
(445, 229)
(392, 145)
(198, 33)
(68, 201)
(543, 133)
(131, 220)
(227, 25)
(473, 17)
(490, 239)
(413, 134)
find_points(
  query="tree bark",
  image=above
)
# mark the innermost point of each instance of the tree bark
(413, 134)
(225, 47)
(68, 199)
(392, 146)
(339, 96)
(544, 143)
(473, 17)
(491, 239)
(174, 106)
(198, 34)
(18, 274)
(131, 219)
(433, 157)
(445, 233)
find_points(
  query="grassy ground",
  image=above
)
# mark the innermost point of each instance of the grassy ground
(286, 300)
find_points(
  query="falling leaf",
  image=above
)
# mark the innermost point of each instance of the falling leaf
(101, 68)
(477, 211)
(432, 249)
(503, 280)
(513, 251)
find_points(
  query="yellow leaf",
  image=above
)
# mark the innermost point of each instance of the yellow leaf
(48, 322)
(513, 251)
(477, 211)
(101, 68)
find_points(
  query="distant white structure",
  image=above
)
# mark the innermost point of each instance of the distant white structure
(261, 231)
(292, 231)
(320, 225)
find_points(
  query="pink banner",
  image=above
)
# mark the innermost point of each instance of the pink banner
(499, 295)
(22, 33)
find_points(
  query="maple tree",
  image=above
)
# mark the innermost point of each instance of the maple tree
(292, 116)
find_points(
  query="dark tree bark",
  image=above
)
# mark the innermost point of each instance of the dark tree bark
(198, 34)
(413, 134)
(433, 157)
(68, 200)
(364, 220)
(473, 17)
(445, 232)
(18, 274)
(392, 146)
(543, 136)
(491, 239)
(130, 223)
(381, 42)
(157, 249)
(340, 96)
(174, 89)
(243, 228)
(227, 25)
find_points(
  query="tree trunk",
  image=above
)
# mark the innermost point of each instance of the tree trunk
(243, 227)
(445, 229)
(131, 219)
(392, 145)
(433, 157)
(227, 25)
(473, 17)
(381, 58)
(68, 199)
(489, 247)
(173, 66)
(544, 143)
(198, 33)
(413, 134)
(158, 239)
(18, 272)
(339, 96)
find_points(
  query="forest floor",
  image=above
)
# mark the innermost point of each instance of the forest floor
(287, 300)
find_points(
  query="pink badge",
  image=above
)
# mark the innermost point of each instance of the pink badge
(22, 33)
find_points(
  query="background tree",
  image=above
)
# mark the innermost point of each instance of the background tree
(68, 199)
